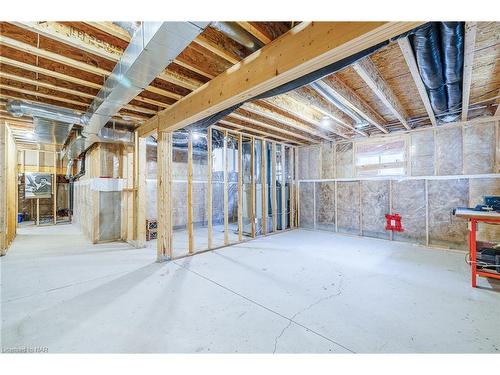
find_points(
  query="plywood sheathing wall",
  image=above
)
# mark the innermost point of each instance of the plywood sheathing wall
(332, 198)
(8, 188)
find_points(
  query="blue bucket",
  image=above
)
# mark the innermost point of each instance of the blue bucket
(19, 218)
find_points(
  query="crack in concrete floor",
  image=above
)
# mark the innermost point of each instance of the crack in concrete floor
(290, 320)
(320, 300)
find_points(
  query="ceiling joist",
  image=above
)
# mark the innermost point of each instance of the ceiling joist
(411, 62)
(294, 55)
(469, 47)
(348, 97)
(370, 74)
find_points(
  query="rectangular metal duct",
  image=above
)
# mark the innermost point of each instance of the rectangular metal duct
(152, 48)
(50, 131)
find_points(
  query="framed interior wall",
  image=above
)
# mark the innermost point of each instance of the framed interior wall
(226, 187)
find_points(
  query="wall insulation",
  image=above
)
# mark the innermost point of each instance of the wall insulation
(102, 197)
(445, 168)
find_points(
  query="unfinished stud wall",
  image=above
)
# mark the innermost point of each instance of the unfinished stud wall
(212, 190)
(447, 167)
(8, 188)
(3, 190)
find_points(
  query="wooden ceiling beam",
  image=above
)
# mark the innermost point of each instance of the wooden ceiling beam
(469, 47)
(269, 125)
(310, 97)
(273, 115)
(71, 101)
(367, 70)
(221, 45)
(306, 113)
(46, 85)
(258, 135)
(167, 75)
(46, 96)
(310, 47)
(296, 108)
(81, 82)
(121, 114)
(264, 133)
(411, 62)
(248, 27)
(348, 97)
(111, 29)
(72, 37)
(47, 72)
(171, 77)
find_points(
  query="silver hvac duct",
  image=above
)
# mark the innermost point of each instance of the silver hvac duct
(326, 92)
(129, 26)
(152, 48)
(18, 109)
(51, 124)
(237, 33)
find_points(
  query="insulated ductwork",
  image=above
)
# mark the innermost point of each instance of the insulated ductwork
(152, 48)
(237, 33)
(45, 111)
(326, 92)
(129, 26)
(438, 48)
(51, 124)
(452, 47)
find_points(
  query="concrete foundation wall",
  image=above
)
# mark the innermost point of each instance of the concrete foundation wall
(436, 159)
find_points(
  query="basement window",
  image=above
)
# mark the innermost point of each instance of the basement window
(385, 158)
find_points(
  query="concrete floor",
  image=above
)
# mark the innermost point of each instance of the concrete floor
(299, 291)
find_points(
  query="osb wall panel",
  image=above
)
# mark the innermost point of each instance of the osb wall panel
(485, 68)
(374, 206)
(408, 200)
(422, 153)
(306, 205)
(392, 67)
(343, 164)
(444, 228)
(478, 188)
(354, 81)
(348, 206)
(449, 151)
(325, 205)
(479, 148)
(327, 161)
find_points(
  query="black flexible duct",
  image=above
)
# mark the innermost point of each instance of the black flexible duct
(302, 81)
(427, 53)
(439, 51)
(452, 47)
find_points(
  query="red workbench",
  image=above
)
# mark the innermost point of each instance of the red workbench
(475, 217)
